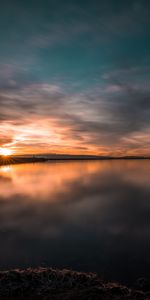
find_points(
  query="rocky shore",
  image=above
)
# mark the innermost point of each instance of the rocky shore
(52, 284)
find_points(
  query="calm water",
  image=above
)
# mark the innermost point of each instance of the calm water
(91, 216)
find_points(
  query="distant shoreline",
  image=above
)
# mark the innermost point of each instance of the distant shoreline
(35, 159)
(47, 283)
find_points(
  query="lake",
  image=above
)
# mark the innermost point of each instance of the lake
(87, 216)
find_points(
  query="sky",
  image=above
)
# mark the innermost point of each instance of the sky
(74, 77)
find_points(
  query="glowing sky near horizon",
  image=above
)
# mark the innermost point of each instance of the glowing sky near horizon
(74, 77)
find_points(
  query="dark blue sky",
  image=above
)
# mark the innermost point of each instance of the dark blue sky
(74, 76)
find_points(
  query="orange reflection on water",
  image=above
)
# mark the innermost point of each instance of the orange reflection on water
(48, 181)
(43, 180)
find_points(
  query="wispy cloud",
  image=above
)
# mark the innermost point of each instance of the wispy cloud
(44, 116)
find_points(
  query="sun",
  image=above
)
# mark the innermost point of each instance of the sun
(5, 151)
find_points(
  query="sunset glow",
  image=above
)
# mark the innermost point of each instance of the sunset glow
(60, 95)
(74, 149)
(5, 152)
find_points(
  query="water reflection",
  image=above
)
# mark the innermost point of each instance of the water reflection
(91, 216)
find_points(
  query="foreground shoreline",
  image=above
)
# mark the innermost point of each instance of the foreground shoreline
(47, 283)
(13, 160)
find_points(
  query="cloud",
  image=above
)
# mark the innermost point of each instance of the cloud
(91, 92)
(45, 114)
(5, 139)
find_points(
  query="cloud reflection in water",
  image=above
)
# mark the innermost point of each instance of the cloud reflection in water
(83, 215)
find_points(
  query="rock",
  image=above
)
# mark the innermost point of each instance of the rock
(51, 284)
(143, 284)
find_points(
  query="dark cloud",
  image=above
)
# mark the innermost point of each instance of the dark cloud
(103, 116)
(80, 68)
